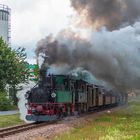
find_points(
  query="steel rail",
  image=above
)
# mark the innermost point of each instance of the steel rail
(21, 128)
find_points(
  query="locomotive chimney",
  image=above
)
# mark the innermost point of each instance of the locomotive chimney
(43, 68)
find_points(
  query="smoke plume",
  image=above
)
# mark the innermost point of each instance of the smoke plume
(110, 53)
(112, 14)
(110, 56)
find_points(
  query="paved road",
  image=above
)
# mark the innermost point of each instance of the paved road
(2, 113)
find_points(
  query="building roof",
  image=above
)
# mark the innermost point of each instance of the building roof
(4, 8)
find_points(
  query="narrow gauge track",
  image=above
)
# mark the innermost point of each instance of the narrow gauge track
(20, 128)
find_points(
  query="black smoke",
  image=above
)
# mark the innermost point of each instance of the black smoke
(112, 57)
(112, 14)
(110, 54)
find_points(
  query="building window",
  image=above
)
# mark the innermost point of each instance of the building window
(3, 15)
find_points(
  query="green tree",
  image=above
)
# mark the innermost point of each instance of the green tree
(7, 59)
(13, 67)
(5, 103)
(19, 71)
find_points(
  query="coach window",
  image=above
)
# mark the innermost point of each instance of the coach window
(83, 88)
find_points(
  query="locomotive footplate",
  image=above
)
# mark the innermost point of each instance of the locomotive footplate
(41, 118)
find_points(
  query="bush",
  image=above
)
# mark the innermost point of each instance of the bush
(5, 103)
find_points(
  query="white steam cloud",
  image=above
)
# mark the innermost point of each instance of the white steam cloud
(22, 100)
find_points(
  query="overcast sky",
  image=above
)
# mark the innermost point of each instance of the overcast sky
(32, 20)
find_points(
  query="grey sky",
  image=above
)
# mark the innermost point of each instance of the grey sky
(32, 20)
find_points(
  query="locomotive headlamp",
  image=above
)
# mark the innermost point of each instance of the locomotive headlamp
(53, 95)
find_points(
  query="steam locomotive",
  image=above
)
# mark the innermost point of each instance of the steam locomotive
(62, 95)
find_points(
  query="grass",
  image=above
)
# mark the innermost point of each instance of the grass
(123, 124)
(10, 120)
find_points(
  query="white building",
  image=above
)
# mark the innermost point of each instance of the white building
(5, 25)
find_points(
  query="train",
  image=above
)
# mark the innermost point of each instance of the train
(57, 96)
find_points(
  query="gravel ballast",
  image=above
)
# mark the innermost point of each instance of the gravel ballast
(52, 130)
